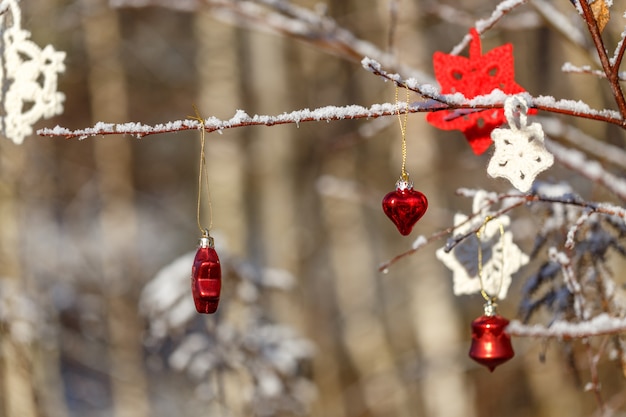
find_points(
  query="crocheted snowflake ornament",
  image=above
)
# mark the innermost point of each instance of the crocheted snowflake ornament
(501, 257)
(29, 76)
(477, 75)
(520, 154)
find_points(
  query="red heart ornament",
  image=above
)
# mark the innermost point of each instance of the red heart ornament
(405, 206)
(206, 277)
(491, 345)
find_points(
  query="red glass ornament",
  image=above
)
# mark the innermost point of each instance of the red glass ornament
(491, 345)
(405, 206)
(206, 277)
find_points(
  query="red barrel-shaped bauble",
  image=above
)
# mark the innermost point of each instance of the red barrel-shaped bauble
(206, 277)
(491, 345)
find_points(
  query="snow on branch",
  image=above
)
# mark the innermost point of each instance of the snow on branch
(496, 99)
(436, 102)
(586, 69)
(240, 119)
(313, 27)
(608, 153)
(483, 25)
(512, 201)
(602, 324)
(593, 170)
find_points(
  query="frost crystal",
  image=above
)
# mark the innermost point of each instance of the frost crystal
(501, 258)
(29, 76)
(520, 154)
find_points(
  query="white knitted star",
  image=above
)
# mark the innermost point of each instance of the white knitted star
(28, 76)
(501, 258)
(520, 154)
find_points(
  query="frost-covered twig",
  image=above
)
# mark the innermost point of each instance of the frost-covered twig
(513, 201)
(571, 233)
(602, 324)
(556, 128)
(610, 70)
(572, 282)
(618, 56)
(453, 15)
(287, 19)
(240, 119)
(495, 99)
(593, 357)
(484, 25)
(438, 102)
(586, 69)
(561, 24)
(593, 170)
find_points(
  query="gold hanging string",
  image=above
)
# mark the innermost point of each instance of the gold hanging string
(203, 176)
(491, 299)
(403, 122)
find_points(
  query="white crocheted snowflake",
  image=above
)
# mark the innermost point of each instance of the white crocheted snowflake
(28, 75)
(501, 257)
(520, 154)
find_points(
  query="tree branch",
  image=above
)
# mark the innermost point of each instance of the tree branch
(438, 102)
(289, 20)
(610, 71)
(592, 207)
(484, 25)
(602, 324)
(496, 99)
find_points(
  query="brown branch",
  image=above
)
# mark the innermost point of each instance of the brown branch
(611, 71)
(601, 325)
(619, 56)
(593, 207)
(451, 102)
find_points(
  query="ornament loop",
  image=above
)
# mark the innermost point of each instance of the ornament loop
(490, 308)
(206, 241)
(404, 182)
(513, 104)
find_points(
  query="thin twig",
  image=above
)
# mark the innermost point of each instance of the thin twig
(600, 325)
(611, 72)
(592, 207)
(457, 101)
(619, 56)
(594, 358)
(484, 25)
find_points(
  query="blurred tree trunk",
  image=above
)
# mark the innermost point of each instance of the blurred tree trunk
(218, 94)
(439, 333)
(18, 396)
(371, 385)
(114, 159)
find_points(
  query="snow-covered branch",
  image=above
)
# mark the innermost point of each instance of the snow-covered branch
(496, 99)
(437, 102)
(593, 170)
(484, 25)
(512, 201)
(606, 152)
(609, 68)
(240, 119)
(313, 27)
(602, 324)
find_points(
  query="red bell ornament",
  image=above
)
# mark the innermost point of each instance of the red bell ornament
(206, 277)
(405, 206)
(491, 345)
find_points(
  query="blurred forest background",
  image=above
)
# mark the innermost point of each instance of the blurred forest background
(86, 225)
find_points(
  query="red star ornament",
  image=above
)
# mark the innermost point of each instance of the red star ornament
(474, 76)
